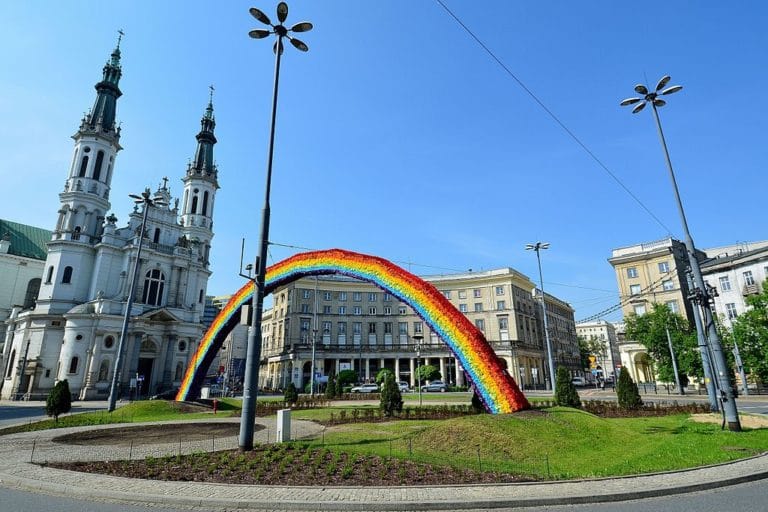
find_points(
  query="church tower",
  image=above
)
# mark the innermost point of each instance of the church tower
(85, 199)
(200, 185)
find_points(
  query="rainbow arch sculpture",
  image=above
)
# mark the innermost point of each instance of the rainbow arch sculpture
(482, 367)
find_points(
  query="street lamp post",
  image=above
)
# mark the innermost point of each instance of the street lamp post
(417, 338)
(253, 351)
(680, 389)
(701, 292)
(538, 247)
(148, 201)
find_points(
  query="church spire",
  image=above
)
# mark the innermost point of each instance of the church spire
(203, 164)
(102, 115)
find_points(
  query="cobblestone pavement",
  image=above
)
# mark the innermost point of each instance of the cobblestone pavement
(20, 453)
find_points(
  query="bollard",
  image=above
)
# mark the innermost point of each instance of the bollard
(215, 405)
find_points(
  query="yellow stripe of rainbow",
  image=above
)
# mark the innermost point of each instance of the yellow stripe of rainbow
(494, 385)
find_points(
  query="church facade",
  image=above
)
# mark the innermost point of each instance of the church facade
(72, 330)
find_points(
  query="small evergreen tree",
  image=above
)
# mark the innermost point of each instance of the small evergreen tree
(565, 392)
(291, 395)
(330, 388)
(391, 399)
(59, 400)
(381, 377)
(627, 392)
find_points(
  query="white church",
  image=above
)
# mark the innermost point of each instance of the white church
(72, 330)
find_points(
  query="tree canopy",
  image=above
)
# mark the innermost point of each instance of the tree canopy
(650, 330)
(750, 331)
(427, 373)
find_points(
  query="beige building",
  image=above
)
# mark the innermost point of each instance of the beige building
(356, 326)
(608, 358)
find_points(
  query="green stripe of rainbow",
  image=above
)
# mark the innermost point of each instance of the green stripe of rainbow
(494, 385)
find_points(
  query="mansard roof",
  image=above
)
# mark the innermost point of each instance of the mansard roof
(26, 241)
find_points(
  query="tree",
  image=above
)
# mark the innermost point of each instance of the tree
(330, 388)
(650, 329)
(346, 378)
(427, 373)
(750, 331)
(391, 400)
(59, 400)
(627, 392)
(291, 395)
(565, 392)
(381, 377)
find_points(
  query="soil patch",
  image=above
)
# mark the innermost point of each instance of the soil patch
(746, 420)
(152, 434)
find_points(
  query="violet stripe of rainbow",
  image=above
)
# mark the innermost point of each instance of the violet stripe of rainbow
(494, 386)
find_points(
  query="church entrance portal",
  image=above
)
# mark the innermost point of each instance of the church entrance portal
(145, 370)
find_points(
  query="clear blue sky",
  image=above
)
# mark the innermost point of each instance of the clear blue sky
(399, 136)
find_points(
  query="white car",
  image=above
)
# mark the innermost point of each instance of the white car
(365, 388)
(579, 381)
(404, 387)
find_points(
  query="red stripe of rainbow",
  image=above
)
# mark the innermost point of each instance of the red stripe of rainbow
(494, 385)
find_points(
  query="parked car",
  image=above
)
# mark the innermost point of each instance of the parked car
(435, 385)
(579, 381)
(404, 387)
(365, 388)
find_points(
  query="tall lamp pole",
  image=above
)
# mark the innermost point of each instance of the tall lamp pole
(701, 292)
(538, 247)
(147, 200)
(253, 351)
(417, 338)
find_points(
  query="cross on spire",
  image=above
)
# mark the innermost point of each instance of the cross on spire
(165, 181)
(120, 37)
(210, 99)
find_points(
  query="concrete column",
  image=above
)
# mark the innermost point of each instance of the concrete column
(459, 374)
(412, 365)
(336, 366)
(381, 363)
(367, 369)
(397, 369)
(442, 369)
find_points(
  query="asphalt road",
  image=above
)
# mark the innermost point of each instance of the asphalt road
(750, 497)
(12, 413)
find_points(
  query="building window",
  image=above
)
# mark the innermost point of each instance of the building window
(501, 305)
(462, 294)
(357, 310)
(663, 267)
(342, 310)
(305, 308)
(83, 167)
(327, 295)
(204, 211)
(417, 326)
(49, 275)
(632, 272)
(478, 307)
(388, 310)
(357, 296)
(182, 346)
(154, 282)
(748, 279)
(503, 323)
(179, 371)
(387, 297)
(304, 324)
(372, 310)
(10, 364)
(463, 308)
(480, 324)
(634, 289)
(476, 293)
(342, 327)
(156, 236)
(200, 296)
(402, 327)
(499, 290)
(730, 310)
(194, 204)
(33, 289)
(67, 277)
(109, 342)
(327, 328)
(387, 327)
(372, 297)
(401, 310)
(73, 365)
(672, 305)
(76, 233)
(326, 310)
(357, 327)
(342, 296)
(305, 294)
(371, 327)
(104, 370)
(668, 285)
(725, 284)
(447, 294)
(640, 309)
(97, 167)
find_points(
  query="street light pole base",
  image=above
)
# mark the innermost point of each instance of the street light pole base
(734, 426)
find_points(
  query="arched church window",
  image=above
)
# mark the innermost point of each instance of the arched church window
(67, 277)
(10, 364)
(104, 370)
(76, 233)
(97, 167)
(73, 364)
(33, 288)
(205, 203)
(179, 371)
(83, 166)
(49, 275)
(154, 282)
(194, 204)
(200, 297)
(156, 236)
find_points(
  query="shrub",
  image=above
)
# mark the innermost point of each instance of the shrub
(346, 378)
(477, 404)
(59, 400)
(291, 395)
(626, 391)
(565, 392)
(330, 388)
(391, 400)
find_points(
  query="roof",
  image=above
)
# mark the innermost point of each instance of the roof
(26, 241)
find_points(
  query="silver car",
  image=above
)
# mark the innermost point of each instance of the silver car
(365, 388)
(435, 385)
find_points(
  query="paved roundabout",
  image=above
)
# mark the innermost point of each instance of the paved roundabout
(22, 453)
